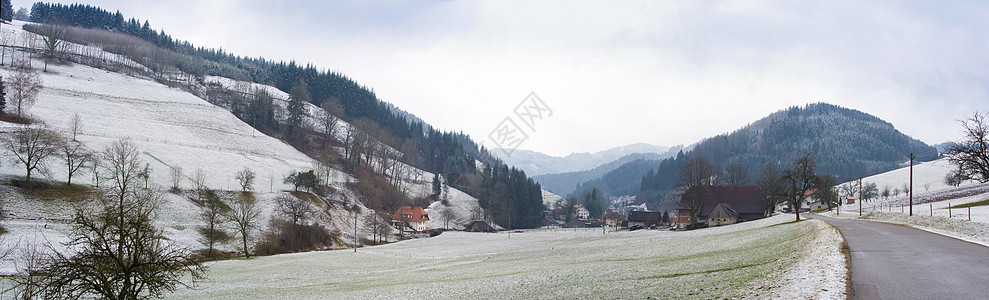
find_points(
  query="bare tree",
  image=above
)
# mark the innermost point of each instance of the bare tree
(199, 181)
(851, 188)
(447, 215)
(695, 177)
(176, 177)
(5, 38)
(971, 155)
(294, 208)
(29, 260)
(76, 125)
(737, 174)
(76, 156)
(244, 213)
(211, 213)
(328, 122)
(146, 174)
(27, 40)
(697, 172)
(953, 178)
(24, 86)
(246, 178)
(121, 165)
(116, 250)
(32, 147)
(797, 181)
(769, 181)
(53, 35)
(95, 166)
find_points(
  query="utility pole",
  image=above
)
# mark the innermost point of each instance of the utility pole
(860, 197)
(355, 231)
(911, 184)
(510, 222)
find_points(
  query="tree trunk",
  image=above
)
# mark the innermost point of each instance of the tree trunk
(244, 237)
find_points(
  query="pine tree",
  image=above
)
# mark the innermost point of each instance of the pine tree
(298, 96)
(436, 185)
(6, 10)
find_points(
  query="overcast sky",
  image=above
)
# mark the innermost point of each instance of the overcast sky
(618, 72)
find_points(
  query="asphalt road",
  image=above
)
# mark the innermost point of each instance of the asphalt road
(898, 262)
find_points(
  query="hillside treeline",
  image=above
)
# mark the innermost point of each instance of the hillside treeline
(503, 191)
(845, 143)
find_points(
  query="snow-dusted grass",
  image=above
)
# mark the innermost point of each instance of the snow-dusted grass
(713, 263)
(820, 272)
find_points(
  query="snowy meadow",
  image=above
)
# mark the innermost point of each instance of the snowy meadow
(721, 262)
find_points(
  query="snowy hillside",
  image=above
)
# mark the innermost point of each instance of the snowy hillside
(930, 191)
(172, 129)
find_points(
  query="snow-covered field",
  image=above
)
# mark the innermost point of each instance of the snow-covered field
(711, 263)
(931, 201)
(928, 186)
(171, 128)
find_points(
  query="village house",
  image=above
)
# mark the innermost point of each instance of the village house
(612, 219)
(410, 218)
(811, 203)
(723, 205)
(479, 226)
(644, 219)
(582, 213)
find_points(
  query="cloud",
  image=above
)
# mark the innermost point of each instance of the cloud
(615, 73)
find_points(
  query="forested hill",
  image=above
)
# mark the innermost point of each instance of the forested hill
(502, 191)
(846, 143)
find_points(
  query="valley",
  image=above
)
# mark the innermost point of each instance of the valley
(136, 164)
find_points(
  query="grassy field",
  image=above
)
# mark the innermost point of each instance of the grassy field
(973, 204)
(709, 263)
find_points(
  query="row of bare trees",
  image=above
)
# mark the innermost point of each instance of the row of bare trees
(114, 251)
(34, 147)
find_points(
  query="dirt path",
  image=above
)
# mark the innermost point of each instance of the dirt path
(898, 262)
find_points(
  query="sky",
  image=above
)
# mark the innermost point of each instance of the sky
(613, 73)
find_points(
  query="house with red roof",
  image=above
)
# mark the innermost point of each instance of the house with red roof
(410, 218)
(723, 205)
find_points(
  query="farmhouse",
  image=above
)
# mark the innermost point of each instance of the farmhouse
(722, 205)
(479, 226)
(811, 203)
(645, 219)
(410, 217)
(612, 219)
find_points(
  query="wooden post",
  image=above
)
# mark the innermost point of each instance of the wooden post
(969, 213)
(949, 210)
(932, 209)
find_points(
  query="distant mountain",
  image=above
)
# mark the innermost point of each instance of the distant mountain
(845, 143)
(566, 183)
(535, 163)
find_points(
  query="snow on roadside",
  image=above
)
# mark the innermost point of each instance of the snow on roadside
(820, 270)
(960, 228)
